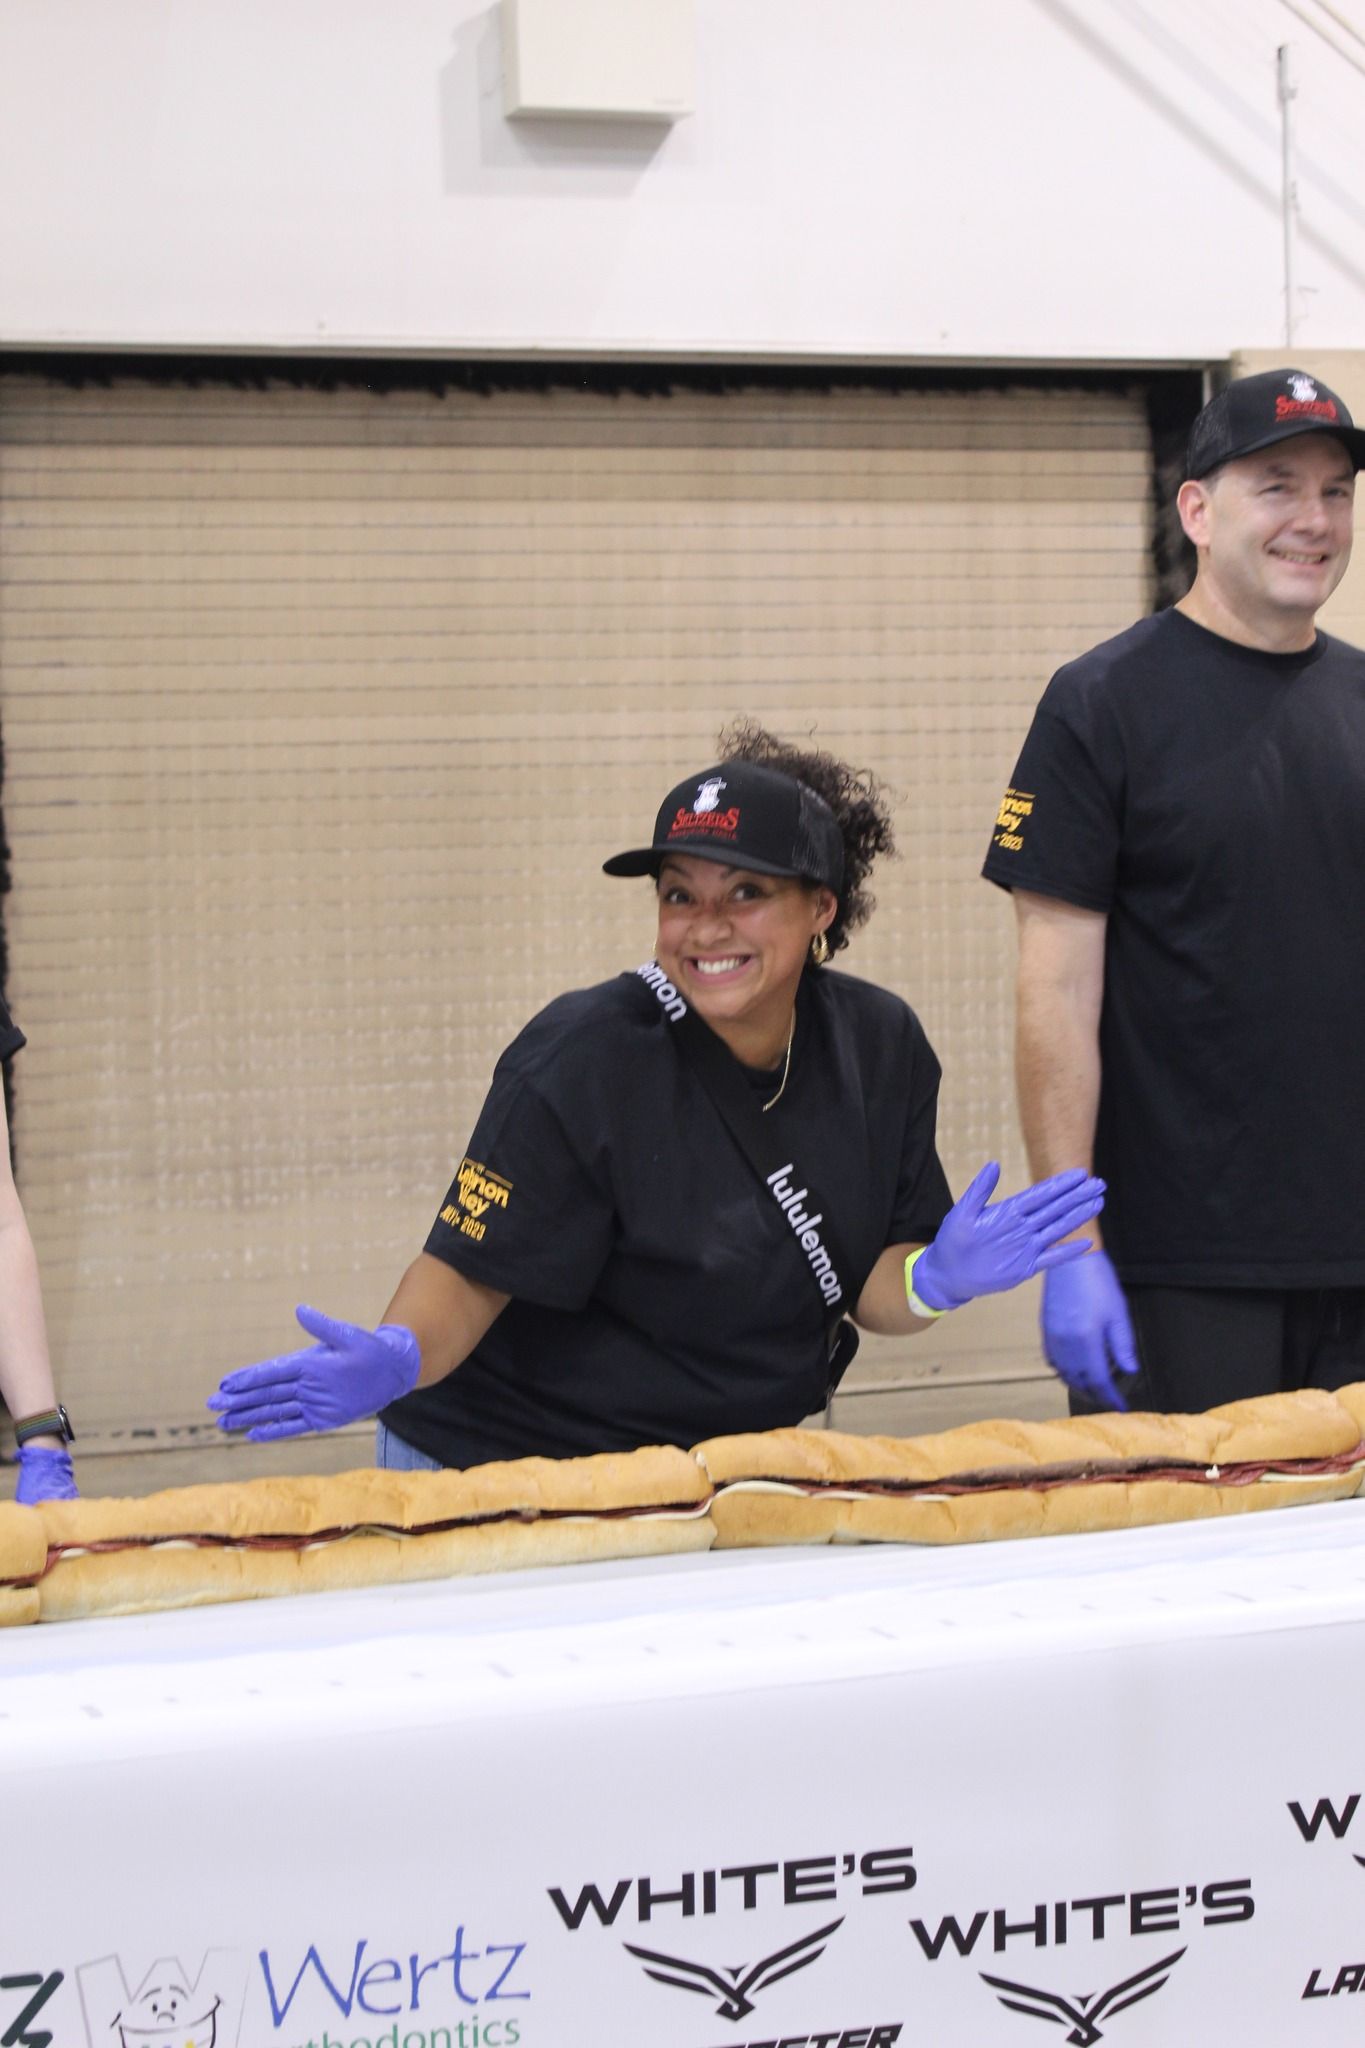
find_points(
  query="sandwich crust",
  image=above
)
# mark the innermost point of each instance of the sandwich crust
(1077, 1474)
(23, 1544)
(1311, 1424)
(660, 1476)
(745, 1517)
(23, 1557)
(149, 1577)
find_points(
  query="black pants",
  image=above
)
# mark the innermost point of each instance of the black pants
(1201, 1346)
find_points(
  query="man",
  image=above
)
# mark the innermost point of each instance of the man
(1185, 842)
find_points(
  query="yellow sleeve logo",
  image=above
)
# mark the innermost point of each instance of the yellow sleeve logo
(1015, 806)
(477, 1192)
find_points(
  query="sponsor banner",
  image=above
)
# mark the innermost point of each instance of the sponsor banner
(1127, 1845)
(1333, 1826)
(332, 1993)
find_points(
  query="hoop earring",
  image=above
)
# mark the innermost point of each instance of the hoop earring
(819, 949)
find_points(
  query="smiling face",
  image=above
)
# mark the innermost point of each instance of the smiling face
(154, 2019)
(1273, 532)
(734, 944)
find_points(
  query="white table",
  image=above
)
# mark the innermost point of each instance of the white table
(344, 1820)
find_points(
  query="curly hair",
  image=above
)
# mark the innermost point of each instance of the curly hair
(859, 801)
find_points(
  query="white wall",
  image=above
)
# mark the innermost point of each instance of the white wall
(1024, 179)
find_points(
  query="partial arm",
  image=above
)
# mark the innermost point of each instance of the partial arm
(1057, 1032)
(982, 1247)
(446, 1313)
(1085, 1321)
(882, 1305)
(25, 1369)
(431, 1326)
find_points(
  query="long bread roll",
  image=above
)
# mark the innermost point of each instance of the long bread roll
(192, 1546)
(196, 1545)
(1006, 1479)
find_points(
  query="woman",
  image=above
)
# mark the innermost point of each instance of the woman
(41, 1428)
(683, 1180)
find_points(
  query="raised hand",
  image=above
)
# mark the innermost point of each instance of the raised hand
(347, 1374)
(984, 1247)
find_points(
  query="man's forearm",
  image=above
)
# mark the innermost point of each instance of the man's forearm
(1057, 1035)
(1057, 1072)
(1087, 1336)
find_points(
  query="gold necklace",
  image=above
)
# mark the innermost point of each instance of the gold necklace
(786, 1066)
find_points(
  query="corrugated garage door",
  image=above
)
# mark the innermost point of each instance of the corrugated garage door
(321, 709)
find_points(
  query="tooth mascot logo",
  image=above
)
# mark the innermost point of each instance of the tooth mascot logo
(166, 2006)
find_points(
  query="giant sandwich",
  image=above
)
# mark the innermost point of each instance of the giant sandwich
(194, 1545)
(1004, 1479)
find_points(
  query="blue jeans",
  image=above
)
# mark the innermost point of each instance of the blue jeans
(396, 1455)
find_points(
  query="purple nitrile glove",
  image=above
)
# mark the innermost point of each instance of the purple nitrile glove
(45, 1474)
(984, 1250)
(1086, 1328)
(346, 1375)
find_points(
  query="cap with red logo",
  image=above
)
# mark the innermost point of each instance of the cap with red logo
(744, 816)
(1253, 413)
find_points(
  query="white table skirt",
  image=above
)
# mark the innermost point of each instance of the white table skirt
(848, 1797)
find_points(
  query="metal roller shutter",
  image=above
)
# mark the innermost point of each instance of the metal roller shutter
(321, 708)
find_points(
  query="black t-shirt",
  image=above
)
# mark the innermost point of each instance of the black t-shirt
(11, 1037)
(1211, 798)
(660, 1294)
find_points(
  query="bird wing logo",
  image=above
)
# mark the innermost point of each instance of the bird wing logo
(734, 1985)
(1083, 2012)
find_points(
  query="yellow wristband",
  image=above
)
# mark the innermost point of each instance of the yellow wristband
(918, 1307)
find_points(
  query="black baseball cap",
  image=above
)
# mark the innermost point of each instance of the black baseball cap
(1253, 413)
(744, 816)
